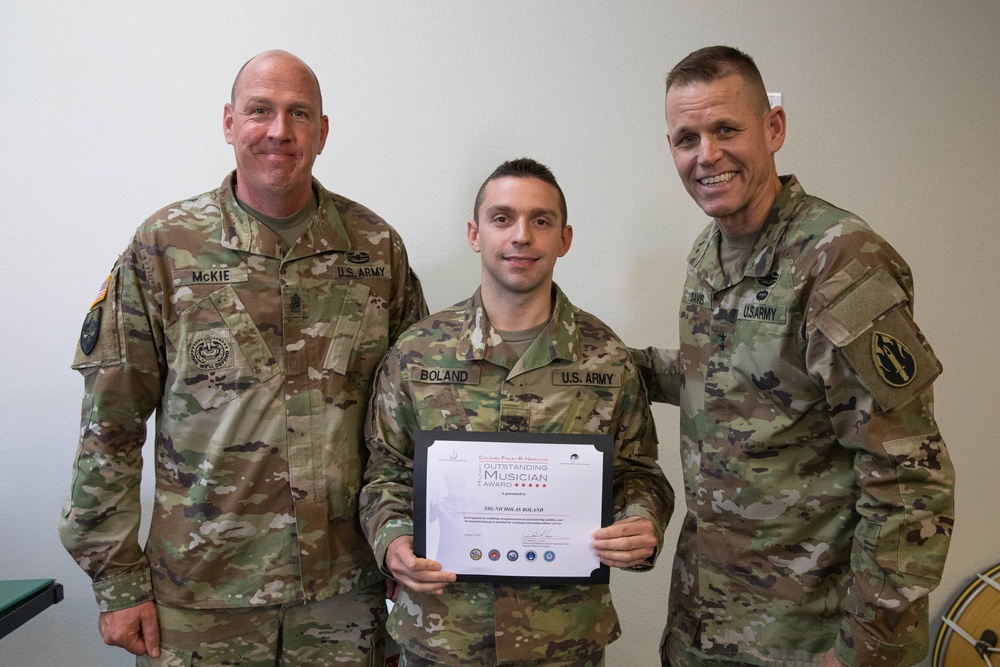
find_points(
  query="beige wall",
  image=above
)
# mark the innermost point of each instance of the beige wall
(112, 110)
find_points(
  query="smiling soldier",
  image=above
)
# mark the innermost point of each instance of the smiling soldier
(517, 356)
(250, 319)
(819, 491)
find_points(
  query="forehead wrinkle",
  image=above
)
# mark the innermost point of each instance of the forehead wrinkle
(268, 101)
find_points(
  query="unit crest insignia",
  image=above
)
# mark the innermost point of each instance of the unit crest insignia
(894, 363)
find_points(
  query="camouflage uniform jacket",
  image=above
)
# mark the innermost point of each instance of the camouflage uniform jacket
(258, 361)
(536, 393)
(819, 491)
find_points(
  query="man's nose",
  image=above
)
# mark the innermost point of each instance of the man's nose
(278, 129)
(709, 151)
(522, 231)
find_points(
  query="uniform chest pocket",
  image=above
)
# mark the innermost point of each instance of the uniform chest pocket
(359, 333)
(218, 353)
(440, 408)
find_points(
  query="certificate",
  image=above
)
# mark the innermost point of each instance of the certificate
(512, 506)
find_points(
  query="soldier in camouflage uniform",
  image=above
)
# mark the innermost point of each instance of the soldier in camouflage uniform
(525, 354)
(251, 320)
(819, 491)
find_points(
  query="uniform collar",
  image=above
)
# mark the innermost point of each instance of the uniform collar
(705, 255)
(240, 231)
(558, 340)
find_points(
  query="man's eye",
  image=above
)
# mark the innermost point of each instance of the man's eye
(258, 110)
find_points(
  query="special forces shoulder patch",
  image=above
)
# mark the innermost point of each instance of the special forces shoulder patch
(91, 330)
(893, 361)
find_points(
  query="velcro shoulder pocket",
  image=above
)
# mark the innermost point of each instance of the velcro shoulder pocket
(871, 326)
(102, 337)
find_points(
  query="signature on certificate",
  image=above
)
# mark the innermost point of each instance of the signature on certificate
(541, 532)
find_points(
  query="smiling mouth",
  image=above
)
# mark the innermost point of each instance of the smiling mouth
(721, 178)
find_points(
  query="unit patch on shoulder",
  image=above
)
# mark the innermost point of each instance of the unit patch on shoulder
(103, 291)
(893, 361)
(91, 328)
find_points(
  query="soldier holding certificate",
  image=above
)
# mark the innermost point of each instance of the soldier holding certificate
(517, 356)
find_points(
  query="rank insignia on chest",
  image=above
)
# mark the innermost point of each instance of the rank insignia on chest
(516, 423)
(91, 329)
(893, 361)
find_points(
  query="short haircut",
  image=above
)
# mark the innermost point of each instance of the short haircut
(718, 62)
(523, 167)
(239, 75)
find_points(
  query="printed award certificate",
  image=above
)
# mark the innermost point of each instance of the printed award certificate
(521, 506)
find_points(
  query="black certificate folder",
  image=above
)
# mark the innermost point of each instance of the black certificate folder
(512, 506)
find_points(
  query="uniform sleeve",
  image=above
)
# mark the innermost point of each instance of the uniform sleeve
(640, 487)
(120, 358)
(878, 371)
(386, 502)
(661, 373)
(408, 305)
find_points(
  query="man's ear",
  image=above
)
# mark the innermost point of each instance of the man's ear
(472, 233)
(775, 129)
(567, 239)
(227, 123)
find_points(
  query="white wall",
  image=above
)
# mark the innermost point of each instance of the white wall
(114, 109)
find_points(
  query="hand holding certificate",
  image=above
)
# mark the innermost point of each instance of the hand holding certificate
(506, 505)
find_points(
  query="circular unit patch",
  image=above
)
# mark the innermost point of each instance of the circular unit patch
(210, 352)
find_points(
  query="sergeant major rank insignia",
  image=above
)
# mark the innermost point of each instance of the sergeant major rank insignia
(894, 363)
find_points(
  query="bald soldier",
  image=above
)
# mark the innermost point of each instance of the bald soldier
(516, 356)
(250, 319)
(819, 490)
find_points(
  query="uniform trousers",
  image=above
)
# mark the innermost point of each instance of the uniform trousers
(407, 659)
(347, 629)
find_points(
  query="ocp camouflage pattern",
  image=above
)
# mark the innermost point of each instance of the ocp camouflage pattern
(479, 624)
(348, 629)
(257, 360)
(819, 491)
